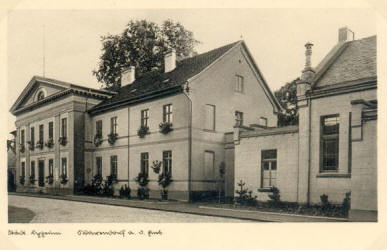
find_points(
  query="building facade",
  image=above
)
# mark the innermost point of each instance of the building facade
(178, 117)
(333, 149)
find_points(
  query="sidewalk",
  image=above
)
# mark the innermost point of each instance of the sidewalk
(191, 208)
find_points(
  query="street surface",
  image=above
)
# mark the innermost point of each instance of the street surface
(61, 211)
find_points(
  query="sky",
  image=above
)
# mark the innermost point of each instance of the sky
(275, 38)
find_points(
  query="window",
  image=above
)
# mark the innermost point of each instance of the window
(144, 117)
(209, 162)
(32, 136)
(23, 169)
(268, 168)
(22, 137)
(32, 170)
(64, 127)
(167, 113)
(64, 167)
(209, 123)
(41, 132)
(113, 125)
(113, 166)
(144, 163)
(98, 127)
(238, 118)
(98, 162)
(40, 95)
(330, 143)
(167, 162)
(239, 81)
(51, 167)
(50, 130)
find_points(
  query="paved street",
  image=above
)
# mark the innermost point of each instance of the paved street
(57, 211)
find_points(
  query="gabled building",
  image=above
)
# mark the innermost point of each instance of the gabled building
(177, 117)
(333, 149)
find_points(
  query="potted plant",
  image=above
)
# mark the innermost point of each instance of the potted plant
(32, 179)
(50, 179)
(164, 180)
(156, 166)
(97, 140)
(143, 190)
(21, 148)
(63, 179)
(40, 144)
(165, 127)
(142, 131)
(63, 140)
(31, 145)
(49, 143)
(112, 138)
(21, 180)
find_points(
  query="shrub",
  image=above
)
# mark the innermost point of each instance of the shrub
(275, 196)
(324, 200)
(108, 186)
(346, 204)
(142, 179)
(142, 131)
(125, 192)
(32, 179)
(245, 196)
(164, 180)
(63, 179)
(143, 192)
(22, 180)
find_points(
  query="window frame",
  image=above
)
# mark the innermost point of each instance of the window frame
(239, 84)
(23, 169)
(144, 163)
(32, 169)
(51, 130)
(238, 119)
(167, 158)
(41, 132)
(63, 127)
(22, 137)
(113, 125)
(145, 118)
(98, 159)
(51, 167)
(32, 135)
(64, 166)
(114, 166)
(270, 161)
(168, 113)
(324, 138)
(213, 122)
(98, 127)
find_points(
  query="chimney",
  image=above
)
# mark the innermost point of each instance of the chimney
(170, 61)
(128, 76)
(308, 72)
(345, 34)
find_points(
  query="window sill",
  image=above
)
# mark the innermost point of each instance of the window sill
(264, 190)
(209, 130)
(333, 175)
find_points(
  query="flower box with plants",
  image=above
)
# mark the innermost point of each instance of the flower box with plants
(21, 148)
(31, 145)
(40, 144)
(50, 179)
(21, 180)
(62, 140)
(143, 131)
(97, 140)
(156, 166)
(164, 180)
(63, 179)
(165, 127)
(142, 191)
(32, 179)
(49, 143)
(112, 138)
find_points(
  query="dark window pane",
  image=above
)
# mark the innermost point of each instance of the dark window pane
(273, 165)
(269, 154)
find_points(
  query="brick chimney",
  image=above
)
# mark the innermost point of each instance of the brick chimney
(345, 34)
(128, 76)
(170, 61)
(307, 74)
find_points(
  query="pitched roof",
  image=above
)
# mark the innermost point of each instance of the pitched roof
(156, 81)
(348, 62)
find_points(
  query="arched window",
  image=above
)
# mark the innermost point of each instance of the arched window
(40, 95)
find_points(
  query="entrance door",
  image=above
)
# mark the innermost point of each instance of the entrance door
(41, 173)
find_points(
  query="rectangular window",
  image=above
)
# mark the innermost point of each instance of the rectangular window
(238, 118)
(98, 127)
(51, 130)
(64, 167)
(98, 162)
(239, 81)
(209, 122)
(330, 143)
(23, 169)
(113, 125)
(268, 168)
(41, 132)
(32, 136)
(144, 117)
(32, 170)
(167, 113)
(167, 162)
(51, 167)
(64, 127)
(144, 163)
(113, 166)
(209, 163)
(22, 137)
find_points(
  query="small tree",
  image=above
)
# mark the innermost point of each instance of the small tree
(244, 195)
(164, 180)
(143, 190)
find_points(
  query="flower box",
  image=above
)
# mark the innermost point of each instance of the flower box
(21, 148)
(63, 179)
(49, 143)
(165, 127)
(40, 144)
(142, 131)
(97, 140)
(63, 141)
(112, 138)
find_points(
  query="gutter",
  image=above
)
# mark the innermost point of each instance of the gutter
(189, 143)
(309, 145)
